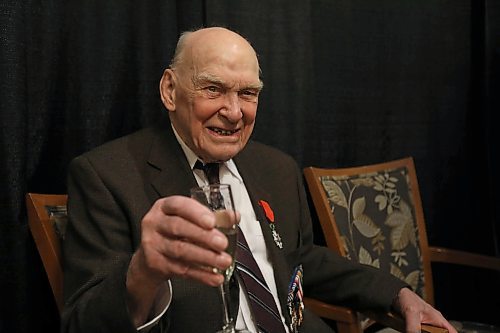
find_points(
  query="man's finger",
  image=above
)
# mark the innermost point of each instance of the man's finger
(188, 209)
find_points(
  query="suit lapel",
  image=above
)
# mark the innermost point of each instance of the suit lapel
(255, 185)
(169, 171)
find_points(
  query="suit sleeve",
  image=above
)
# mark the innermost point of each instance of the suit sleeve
(97, 249)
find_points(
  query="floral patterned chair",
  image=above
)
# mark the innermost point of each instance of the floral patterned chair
(373, 214)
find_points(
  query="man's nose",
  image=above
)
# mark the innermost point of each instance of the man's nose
(232, 108)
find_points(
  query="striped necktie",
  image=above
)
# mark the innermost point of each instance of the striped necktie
(260, 299)
(211, 171)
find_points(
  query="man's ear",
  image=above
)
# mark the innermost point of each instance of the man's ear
(167, 89)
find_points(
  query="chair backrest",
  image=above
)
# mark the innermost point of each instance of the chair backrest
(47, 221)
(373, 214)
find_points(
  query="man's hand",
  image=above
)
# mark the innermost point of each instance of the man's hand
(178, 239)
(416, 311)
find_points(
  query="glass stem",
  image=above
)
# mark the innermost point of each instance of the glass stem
(228, 321)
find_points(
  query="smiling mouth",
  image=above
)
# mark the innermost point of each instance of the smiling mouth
(223, 132)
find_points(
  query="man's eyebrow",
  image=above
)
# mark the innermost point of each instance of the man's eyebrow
(256, 86)
(207, 77)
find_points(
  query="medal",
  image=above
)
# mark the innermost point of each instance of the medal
(295, 300)
(270, 219)
(276, 236)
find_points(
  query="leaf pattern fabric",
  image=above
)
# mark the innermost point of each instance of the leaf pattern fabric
(375, 216)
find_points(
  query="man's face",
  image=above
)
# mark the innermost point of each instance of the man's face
(216, 95)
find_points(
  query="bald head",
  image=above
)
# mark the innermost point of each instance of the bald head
(213, 43)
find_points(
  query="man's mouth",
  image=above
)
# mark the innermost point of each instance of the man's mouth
(223, 132)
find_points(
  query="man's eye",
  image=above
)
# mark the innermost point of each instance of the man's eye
(248, 93)
(212, 89)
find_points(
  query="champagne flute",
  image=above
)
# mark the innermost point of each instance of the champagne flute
(219, 198)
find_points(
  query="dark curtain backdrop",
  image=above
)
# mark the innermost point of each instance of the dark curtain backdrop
(347, 82)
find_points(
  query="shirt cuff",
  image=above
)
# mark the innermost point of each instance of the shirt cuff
(160, 307)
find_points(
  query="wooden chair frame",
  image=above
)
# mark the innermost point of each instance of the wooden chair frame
(46, 239)
(347, 320)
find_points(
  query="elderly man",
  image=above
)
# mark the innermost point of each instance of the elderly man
(137, 246)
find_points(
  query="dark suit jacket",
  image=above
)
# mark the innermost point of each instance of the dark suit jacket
(112, 187)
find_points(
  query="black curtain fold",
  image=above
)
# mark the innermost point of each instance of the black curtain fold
(491, 104)
(345, 83)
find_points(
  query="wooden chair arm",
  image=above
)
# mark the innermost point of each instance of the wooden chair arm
(348, 320)
(329, 311)
(444, 255)
(432, 329)
(395, 321)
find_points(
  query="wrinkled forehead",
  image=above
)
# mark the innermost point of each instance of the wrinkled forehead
(212, 50)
